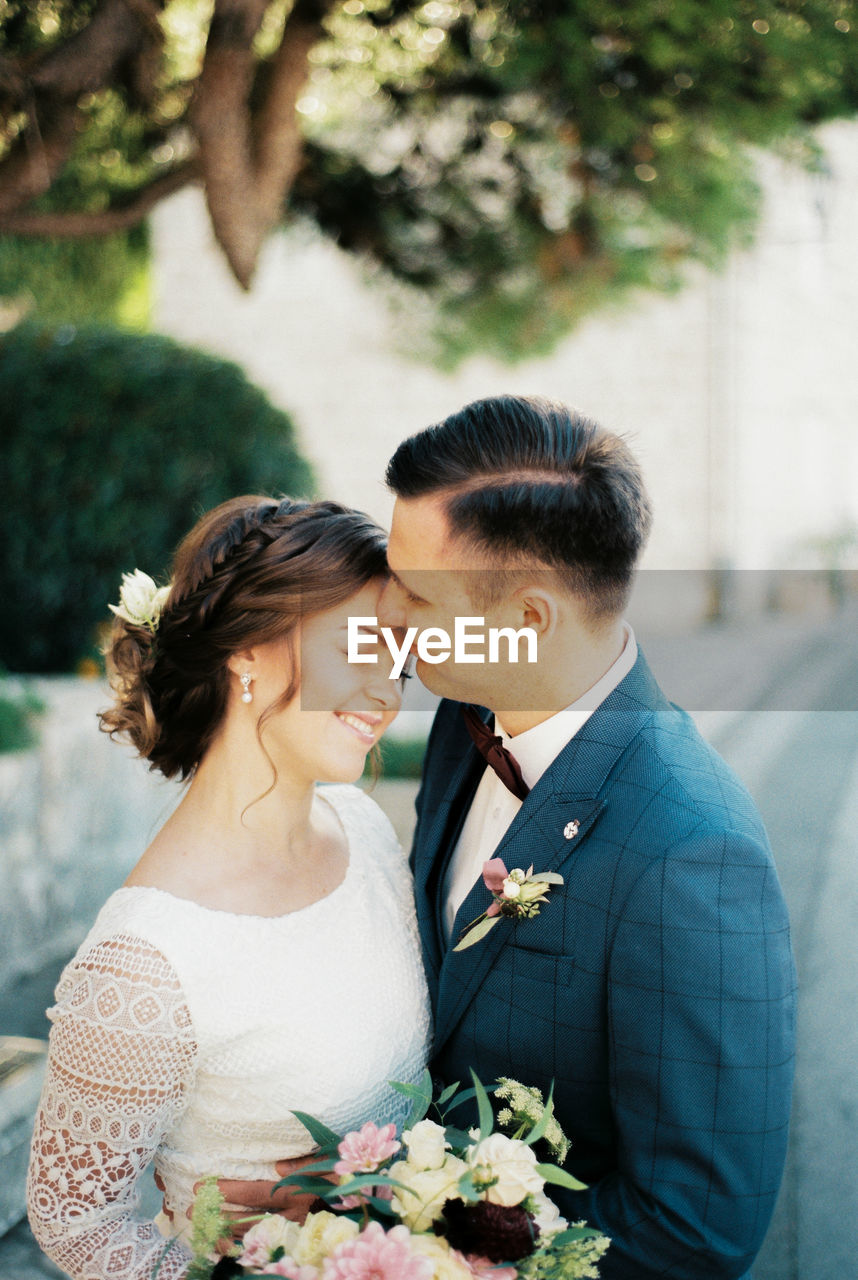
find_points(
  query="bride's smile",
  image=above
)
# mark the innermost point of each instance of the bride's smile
(364, 727)
(338, 711)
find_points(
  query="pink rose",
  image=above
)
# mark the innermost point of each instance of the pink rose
(363, 1150)
(377, 1254)
(290, 1270)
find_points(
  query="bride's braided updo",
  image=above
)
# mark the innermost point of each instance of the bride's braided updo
(245, 574)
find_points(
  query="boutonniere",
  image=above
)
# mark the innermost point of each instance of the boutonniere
(515, 893)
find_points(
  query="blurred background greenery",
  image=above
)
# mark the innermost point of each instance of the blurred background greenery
(523, 163)
(114, 443)
(513, 166)
(501, 172)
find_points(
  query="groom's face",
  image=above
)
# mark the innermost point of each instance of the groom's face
(430, 574)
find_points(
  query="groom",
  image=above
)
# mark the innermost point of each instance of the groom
(656, 986)
(655, 989)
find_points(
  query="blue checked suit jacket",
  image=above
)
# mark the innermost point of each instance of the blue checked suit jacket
(656, 988)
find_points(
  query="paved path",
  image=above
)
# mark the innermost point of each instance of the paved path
(801, 764)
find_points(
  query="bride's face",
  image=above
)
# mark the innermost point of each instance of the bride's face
(341, 709)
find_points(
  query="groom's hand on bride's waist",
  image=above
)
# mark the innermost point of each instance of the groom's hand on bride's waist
(243, 1198)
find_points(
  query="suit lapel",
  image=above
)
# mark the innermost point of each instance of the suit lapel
(433, 853)
(568, 792)
(540, 833)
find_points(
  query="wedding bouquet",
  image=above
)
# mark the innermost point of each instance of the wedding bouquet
(441, 1204)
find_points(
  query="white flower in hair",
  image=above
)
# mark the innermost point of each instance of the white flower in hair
(140, 600)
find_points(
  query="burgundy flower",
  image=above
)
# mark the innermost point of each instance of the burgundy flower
(226, 1268)
(501, 1233)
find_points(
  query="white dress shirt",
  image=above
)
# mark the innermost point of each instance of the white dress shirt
(494, 806)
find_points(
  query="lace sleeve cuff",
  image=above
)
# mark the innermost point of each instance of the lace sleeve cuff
(120, 1070)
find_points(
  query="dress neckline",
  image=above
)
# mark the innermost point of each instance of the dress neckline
(249, 915)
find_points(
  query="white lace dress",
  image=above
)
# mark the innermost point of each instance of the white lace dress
(187, 1036)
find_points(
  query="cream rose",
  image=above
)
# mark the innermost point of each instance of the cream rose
(270, 1233)
(547, 1216)
(426, 1144)
(320, 1235)
(512, 1166)
(447, 1263)
(422, 1203)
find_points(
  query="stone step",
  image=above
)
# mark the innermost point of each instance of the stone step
(22, 1068)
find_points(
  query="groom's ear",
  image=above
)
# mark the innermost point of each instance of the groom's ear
(536, 605)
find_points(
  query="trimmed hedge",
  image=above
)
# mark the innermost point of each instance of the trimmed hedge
(113, 444)
(19, 709)
(402, 757)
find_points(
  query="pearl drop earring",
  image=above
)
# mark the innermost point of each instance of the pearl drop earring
(247, 696)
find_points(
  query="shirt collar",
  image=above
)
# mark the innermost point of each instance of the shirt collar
(536, 748)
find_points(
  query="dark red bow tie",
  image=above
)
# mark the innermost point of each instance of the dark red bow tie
(491, 747)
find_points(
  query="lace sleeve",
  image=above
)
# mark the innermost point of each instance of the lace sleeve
(120, 1070)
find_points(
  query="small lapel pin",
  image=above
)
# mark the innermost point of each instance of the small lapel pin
(571, 829)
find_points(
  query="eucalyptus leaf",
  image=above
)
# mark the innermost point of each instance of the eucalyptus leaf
(417, 1112)
(315, 1186)
(420, 1094)
(324, 1137)
(317, 1167)
(467, 1187)
(410, 1089)
(560, 1178)
(413, 1091)
(449, 1092)
(467, 1094)
(484, 1107)
(572, 1234)
(381, 1207)
(161, 1256)
(458, 1139)
(361, 1180)
(539, 1128)
(476, 932)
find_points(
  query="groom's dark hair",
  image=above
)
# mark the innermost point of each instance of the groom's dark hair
(530, 480)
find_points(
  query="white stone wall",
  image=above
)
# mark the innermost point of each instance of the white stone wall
(76, 812)
(740, 394)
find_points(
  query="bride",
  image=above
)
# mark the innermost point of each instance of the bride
(262, 957)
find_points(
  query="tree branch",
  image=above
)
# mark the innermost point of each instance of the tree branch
(77, 226)
(279, 143)
(120, 32)
(221, 122)
(38, 155)
(122, 36)
(249, 162)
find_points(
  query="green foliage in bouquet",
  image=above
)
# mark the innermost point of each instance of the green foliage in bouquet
(209, 1227)
(525, 1110)
(113, 444)
(450, 1203)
